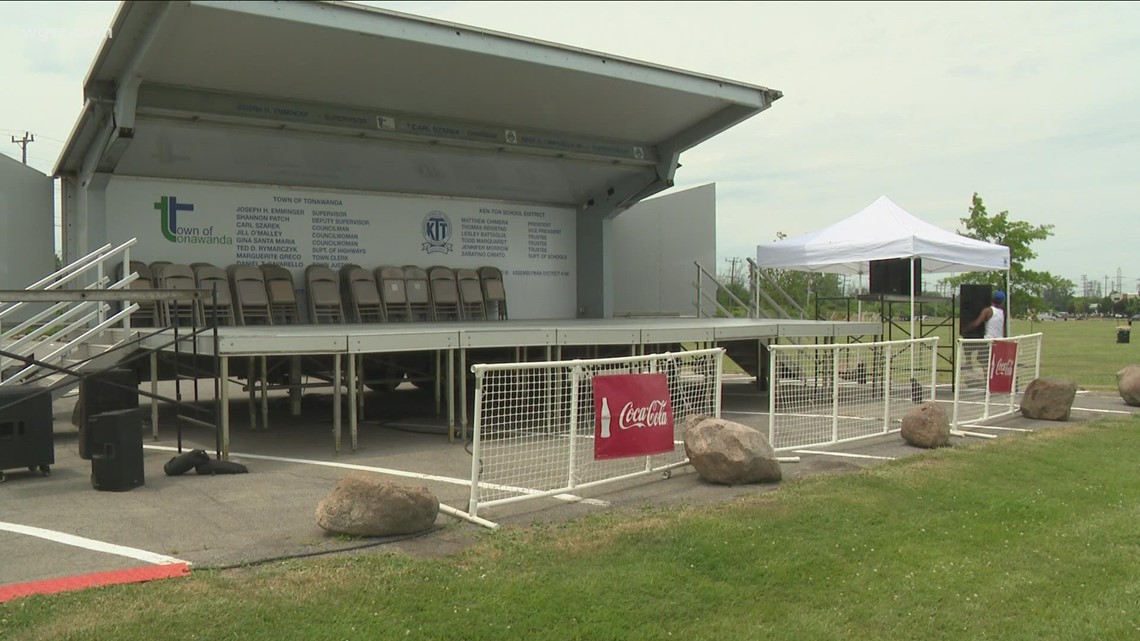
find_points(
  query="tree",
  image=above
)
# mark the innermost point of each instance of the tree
(1028, 285)
(1058, 294)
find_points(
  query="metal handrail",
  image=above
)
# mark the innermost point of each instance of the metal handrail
(771, 281)
(79, 340)
(68, 272)
(701, 271)
(47, 313)
(755, 275)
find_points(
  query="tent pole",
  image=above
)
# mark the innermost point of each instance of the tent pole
(912, 297)
(1008, 306)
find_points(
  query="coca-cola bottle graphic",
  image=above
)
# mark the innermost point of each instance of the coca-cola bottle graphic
(605, 417)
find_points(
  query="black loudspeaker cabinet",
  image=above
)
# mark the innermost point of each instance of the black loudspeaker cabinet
(972, 299)
(26, 429)
(107, 391)
(117, 450)
(892, 276)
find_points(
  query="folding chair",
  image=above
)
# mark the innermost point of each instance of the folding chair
(324, 295)
(147, 313)
(251, 301)
(210, 277)
(393, 293)
(494, 294)
(420, 306)
(470, 294)
(362, 300)
(444, 294)
(283, 306)
(182, 312)
(156, 273)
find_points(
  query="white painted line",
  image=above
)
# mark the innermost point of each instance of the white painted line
(390, 472)
(844, 455)
(995, 427)
(1089, 409)
(91, 544)
(974, 434)
(343, 466)
(571, 498)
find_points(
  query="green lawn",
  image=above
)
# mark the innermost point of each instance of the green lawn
(1083, 350)
(1028, 538)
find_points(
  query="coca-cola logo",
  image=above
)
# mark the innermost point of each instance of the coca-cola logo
(652, 415)
(1002, 367)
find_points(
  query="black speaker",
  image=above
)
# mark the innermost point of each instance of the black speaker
(26, 429)
(892, 276)
(107, 391)
(116, 450)
(972, 299)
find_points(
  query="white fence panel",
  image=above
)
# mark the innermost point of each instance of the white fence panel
(973, 400)
(830, 393)
(534, 423)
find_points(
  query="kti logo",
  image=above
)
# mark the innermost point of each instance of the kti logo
(437, 232)
(169, 206)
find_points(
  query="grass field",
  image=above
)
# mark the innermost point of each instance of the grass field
(1083, 350)
(1027, 538)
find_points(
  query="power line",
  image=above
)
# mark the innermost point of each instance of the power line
(23, 143)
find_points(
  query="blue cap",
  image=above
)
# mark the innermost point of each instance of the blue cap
(999, 295)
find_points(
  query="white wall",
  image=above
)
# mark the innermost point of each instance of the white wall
(534, 246)
(655, 244)
(27, 237)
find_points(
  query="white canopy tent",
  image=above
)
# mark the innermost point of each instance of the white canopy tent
(882, 231)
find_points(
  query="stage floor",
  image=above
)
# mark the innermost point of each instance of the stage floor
(266, 340)
(346, 343)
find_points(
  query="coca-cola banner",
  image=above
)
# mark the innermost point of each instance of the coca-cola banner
(632, 415)
(1003, 355)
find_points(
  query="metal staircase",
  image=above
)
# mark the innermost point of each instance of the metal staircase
(76, 331)
(80, 334)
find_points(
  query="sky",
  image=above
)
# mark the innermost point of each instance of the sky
(1034, 106)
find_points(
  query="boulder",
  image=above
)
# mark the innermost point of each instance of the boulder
(364, 505)
(729, 453)
(1128, 381)
(1048, 399)
(926, 426)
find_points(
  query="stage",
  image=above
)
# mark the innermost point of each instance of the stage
(451, 341)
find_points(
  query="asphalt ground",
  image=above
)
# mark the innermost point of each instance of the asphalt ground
(233, 520)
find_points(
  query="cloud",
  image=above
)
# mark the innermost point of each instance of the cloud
(1030, 104)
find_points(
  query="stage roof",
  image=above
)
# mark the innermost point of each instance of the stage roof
(331, 94)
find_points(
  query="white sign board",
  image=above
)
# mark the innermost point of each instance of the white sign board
(224, 224)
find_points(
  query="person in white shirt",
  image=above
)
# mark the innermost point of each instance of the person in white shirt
(993, 317)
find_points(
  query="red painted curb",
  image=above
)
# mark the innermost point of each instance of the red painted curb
(84, 581)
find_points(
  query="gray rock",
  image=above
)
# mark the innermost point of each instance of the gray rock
(729, 453)
(1128, 381)
(1048, 399)
(926, 426)
(364, 505)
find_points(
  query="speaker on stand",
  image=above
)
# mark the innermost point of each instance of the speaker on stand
(972, 299)
(116, 450)
(110, 390)
(892, 276)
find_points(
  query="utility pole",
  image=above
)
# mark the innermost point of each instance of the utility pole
(732, 270)
(23, 143)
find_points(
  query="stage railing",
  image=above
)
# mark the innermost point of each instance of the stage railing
(535, 423)
(991, 375)
(823, 394)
